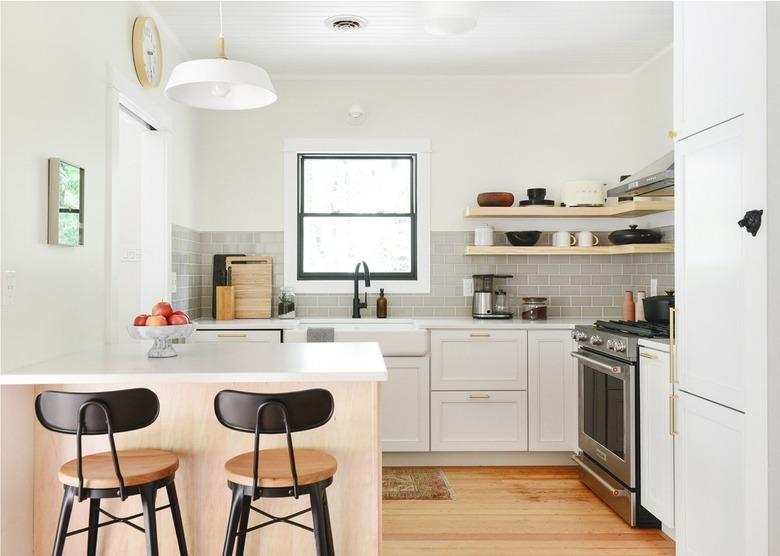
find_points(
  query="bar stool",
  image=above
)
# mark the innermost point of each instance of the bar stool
(113, 474)
(277, 473)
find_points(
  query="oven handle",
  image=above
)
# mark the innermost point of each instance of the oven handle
(614, 491)
(612, 369)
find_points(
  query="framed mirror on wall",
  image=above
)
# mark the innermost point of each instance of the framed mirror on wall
(66, 203)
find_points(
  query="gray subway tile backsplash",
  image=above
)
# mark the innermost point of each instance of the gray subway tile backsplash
(577, 285)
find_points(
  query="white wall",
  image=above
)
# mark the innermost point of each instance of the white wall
(55, 63)
(486, 135)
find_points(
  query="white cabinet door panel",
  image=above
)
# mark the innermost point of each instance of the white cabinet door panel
(479, 359)
(405, 405)
(552, 391)
(718, 62)
(710, 479)
(711, 186)
(479, 421)
(656, 442)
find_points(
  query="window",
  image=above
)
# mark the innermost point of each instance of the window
(354, 207)
(348, 201)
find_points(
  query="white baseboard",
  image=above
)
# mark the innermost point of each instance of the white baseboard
(463, 459)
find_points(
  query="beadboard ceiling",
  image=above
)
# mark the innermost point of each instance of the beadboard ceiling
(290, 38)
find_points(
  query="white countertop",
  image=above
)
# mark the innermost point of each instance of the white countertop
(249, 362)
(424, 323)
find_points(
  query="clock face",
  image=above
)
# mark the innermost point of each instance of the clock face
(147, 52)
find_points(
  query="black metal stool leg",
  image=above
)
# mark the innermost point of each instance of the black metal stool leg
(173, 500)
(328, 530)
(235, 514)
(62, 526)
(243, 524)
(94, 518)
(318, 519)
(148, 500)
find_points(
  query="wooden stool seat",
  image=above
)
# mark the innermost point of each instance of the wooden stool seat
(138, 467)
(312, 466)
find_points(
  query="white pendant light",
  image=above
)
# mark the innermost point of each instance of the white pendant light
(219, 83)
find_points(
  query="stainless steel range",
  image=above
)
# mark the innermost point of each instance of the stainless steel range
(609, 413)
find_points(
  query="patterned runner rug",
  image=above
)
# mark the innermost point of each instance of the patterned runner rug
(415, 483)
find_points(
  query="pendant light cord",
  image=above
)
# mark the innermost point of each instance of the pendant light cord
(221, 40)
(220, 19)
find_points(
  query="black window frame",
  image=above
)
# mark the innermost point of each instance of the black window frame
(412, 275)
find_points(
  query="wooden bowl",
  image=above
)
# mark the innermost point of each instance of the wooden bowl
(495, 199)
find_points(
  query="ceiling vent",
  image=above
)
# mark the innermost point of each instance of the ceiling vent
(346, 23)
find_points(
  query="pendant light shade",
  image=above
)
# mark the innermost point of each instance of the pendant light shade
(220, 84)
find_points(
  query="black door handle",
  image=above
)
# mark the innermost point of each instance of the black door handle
(751, 221)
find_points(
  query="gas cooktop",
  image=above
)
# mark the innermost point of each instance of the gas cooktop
(634, 328)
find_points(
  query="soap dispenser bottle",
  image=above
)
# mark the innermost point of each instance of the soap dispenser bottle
(381, 305)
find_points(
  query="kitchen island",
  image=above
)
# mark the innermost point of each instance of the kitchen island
(186, 386)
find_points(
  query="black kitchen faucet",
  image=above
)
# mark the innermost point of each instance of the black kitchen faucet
(357, 305)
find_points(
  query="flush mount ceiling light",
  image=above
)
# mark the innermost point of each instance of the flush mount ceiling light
(450, 18)
(219, 83)
(346, 23)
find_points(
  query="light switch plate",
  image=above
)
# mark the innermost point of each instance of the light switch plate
(653, 286)
(468, 287)
(9, 287)
(173, 282)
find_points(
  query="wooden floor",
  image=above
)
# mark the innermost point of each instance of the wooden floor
(515, 511)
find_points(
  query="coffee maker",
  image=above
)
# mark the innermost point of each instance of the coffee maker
(483, 304)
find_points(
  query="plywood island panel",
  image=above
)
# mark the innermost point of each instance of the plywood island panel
(187, 425)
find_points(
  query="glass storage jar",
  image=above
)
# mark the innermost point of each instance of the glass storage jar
(286, 307)
(534, 308)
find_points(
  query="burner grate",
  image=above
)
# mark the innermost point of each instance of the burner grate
(638, 328)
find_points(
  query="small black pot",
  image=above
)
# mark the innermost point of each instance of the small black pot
(657, 308)
(632, 235)
(525, 238)
(536, 193)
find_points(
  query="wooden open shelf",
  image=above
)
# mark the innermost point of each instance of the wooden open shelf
(639, 248)
(624, 210)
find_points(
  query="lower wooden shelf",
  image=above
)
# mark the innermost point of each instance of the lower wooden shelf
(638, 248)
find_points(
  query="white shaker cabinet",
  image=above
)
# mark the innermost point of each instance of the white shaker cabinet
(710, 479)
(717, 72)
(479, 359)
(552, 391)
(655, 434)
(405, 405)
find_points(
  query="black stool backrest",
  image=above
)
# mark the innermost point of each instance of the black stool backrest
(306, 409)
(93, 413)
(129, 410)
(285, 412)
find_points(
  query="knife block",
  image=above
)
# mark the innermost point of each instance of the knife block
(226, 302)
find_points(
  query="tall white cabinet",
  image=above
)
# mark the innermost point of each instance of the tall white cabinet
(720, 278)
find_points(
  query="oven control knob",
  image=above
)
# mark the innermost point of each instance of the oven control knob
(596, 340)
(575, 334)
(581, 336)
(611, 345)
(620, 346)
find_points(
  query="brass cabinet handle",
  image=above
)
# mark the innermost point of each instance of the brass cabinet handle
(479, 396)
(673, 415)
(480, 335)
(672, 134)
(647, 355)
(232, 335)
(672, 348)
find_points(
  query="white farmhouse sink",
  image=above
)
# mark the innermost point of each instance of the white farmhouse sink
(396, 337)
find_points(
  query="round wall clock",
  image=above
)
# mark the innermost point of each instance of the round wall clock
(147, 51)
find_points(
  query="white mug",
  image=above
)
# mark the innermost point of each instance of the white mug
(563, 239)
(587, 239)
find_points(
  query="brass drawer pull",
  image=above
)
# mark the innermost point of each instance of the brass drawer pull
(673, 416)
(480, 335)
(479, 396)
(647, 355)
(232, 335)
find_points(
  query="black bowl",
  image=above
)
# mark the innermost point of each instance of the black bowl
(523, 239)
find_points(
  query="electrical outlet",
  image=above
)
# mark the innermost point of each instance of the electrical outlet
(173, 282)
(9, 287)
(653, 286)
(468, 287)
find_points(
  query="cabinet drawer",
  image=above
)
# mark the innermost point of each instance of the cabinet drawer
(262, 336)
(479, 421)
(479, 359)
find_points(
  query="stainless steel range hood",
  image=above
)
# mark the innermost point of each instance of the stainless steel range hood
(657, 179)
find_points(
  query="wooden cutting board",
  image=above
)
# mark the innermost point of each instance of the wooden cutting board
(252, 281)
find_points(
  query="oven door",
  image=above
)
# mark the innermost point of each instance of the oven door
(606, 413)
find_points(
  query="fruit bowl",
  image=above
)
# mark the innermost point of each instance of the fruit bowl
(163, 337)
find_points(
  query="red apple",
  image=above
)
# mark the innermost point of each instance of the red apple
(163, 309)
(156, 320)
(178, 318)
(140, 320)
